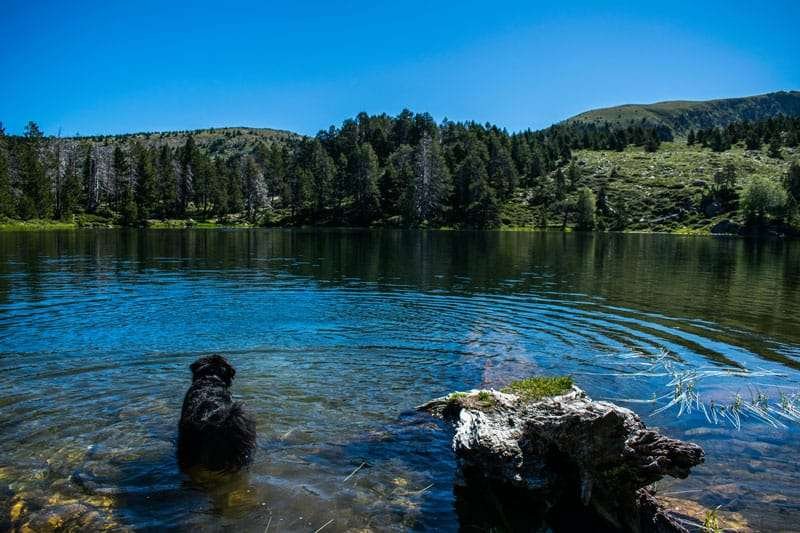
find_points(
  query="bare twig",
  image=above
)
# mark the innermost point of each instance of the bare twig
(423, 490)
(354, 472)
(323, 526)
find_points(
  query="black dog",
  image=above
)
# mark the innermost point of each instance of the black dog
(214, 432)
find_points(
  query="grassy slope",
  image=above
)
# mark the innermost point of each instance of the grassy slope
(662, 190)
(218, 141)
(680, 116)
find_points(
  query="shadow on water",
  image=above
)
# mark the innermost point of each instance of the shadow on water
(338, 334)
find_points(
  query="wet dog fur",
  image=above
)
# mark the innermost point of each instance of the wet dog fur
(214, 432)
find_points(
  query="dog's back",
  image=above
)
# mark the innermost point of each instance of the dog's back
(214, 432)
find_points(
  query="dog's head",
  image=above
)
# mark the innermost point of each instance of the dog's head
(213, 365)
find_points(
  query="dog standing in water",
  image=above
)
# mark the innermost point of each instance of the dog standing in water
(215, 432)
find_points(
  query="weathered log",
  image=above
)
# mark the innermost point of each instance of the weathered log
(564, 448)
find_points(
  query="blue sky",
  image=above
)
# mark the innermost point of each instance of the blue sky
(114, 67)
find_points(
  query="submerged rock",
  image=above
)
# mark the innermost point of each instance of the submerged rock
(564, 455)
(63, 506)
(726, 227)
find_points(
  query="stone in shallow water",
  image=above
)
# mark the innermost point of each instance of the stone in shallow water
(694, 512)
(564, 455)
(60, 506)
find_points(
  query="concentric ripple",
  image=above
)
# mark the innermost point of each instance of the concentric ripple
(337, 335)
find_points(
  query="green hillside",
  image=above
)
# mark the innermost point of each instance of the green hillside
(670, 190)
(681, 116)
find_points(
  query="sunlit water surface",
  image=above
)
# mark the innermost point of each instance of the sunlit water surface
(338, 335)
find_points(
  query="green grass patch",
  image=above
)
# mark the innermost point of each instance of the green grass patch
(482, 400)
(455, 396)
(684, 230)
(169, 224)
(485, 398)
(36, 225)
(711, 523)
(536, 388)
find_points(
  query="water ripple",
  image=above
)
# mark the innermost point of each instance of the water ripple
(332, 356)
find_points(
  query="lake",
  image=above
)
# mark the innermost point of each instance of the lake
(337, 335)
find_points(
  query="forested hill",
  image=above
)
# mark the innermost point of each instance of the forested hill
(216, 142)
(682, 116)
(88, 163)
(408, 170)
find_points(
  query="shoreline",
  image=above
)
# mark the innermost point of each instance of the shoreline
(57, 225)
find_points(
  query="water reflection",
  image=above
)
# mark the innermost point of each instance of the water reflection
(337, 335)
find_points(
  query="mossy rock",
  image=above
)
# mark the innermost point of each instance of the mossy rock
(538, 387)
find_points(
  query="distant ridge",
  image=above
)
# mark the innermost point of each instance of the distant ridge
(682, 115)
(678, 115)
(218, 141)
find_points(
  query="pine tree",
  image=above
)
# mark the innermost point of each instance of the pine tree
(341, 186)
(129, 214)
(564, 206)
(121, 177)
(465, 173)
(365, 174)
(792, 183)
(565, 152)
(145, 190)
(521, 153)
(234, 186)
(91, 184)
(37, 198)
(652, 142)
(167, 183)
(716, 141)
(618, 143)
(323, 170)
(536, 167)
(793, 137)
(275, 173)
(399, 173)
(187, 176)
(753, 141)
(690, 139)
(299, 182)
(775, 147)
(220, 190)
(502, 173)
(203, 181)
(480, 206)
